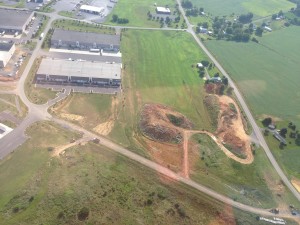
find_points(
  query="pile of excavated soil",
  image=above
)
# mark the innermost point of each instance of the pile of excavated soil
(161, 123)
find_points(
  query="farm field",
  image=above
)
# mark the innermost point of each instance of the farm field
(260, 8)
(89, 184)
(158, 69)
(136, 11)
(266, 73)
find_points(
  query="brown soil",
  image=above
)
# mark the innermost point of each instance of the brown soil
(231, 129)
(156, 124)
(296, 184)
(58, 151)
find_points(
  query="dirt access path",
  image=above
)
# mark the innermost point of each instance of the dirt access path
(186, 137)
(229, 124)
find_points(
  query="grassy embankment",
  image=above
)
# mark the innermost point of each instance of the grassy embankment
(90, 184)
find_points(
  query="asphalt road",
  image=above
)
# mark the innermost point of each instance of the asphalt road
(245, 108)
(39, 112)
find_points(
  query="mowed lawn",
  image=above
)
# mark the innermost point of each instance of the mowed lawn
(136, 11)
(160, 65)
(266, 73)
(259, 8)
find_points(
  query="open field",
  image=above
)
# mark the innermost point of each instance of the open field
(266, 73)
(90, 184)
(13, 104)
(87, 110)
(158, 69)
(254, 184)
(136, 11)
(260, 8)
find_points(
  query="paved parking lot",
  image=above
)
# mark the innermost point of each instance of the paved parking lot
(81, 89)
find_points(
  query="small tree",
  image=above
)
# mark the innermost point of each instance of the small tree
(267, 121)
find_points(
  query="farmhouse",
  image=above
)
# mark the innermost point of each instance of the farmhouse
(13, 20)
(91, 9)
(85, 41)
(215, 79)
(6, 52)
(82, 73)
(163, 10)
(268, 28)
(200, 65)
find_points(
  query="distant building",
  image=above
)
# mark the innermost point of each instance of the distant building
(200, 65)
(14, 20)
(216, 79)
(85, 41)
(268, 28)
(279, 137)
(203, 30)
(82, 73)
(92, 9)
(272, 127)
(6, 52)
(163, 10)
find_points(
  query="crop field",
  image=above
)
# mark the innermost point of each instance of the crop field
(266, 73)
(260, 8)
(92, 185)
(136, 11)
(254, 184)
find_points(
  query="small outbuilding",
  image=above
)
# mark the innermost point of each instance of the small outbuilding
(200, 65)
(163, 10)
(91, 9)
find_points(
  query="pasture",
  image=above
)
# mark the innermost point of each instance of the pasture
(92, 185)
(260, 8)
(266, 73)
(136, 11)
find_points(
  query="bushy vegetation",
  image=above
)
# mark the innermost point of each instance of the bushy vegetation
(116, 19)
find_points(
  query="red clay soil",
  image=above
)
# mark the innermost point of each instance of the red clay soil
(156, 124)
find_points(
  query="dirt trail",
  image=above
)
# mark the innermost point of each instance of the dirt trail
(60, 149)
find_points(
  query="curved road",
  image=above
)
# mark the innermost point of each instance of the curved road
(243, 104)
(39, 112)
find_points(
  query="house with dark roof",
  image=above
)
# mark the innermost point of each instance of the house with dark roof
(86, 41)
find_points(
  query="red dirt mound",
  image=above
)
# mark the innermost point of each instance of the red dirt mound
(161, 123)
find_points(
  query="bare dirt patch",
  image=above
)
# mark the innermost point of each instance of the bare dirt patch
(69, 116)
(60, 149)
(161, 123)
(296, 184)
(106, 127)
(231, 130)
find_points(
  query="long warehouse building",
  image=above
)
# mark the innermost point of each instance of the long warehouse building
(14, 20)
(67, 39)
(6, 52)
(82, 73)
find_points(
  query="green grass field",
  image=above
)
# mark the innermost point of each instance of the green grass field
(259, 8)
(250, 184)
(95, 108)
(158, 69)
(136, 11)
(266, 73)
(111, 188)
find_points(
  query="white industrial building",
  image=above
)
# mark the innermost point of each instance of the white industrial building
(92, 9)
(4, 130)
(163, 10)
(81, 73)
(6, 52)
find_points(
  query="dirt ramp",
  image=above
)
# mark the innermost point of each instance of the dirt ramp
(163, 124)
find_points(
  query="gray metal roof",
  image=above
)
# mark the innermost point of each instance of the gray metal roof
(5, 46)
(13, 18)
(73, 36)
(80, 68)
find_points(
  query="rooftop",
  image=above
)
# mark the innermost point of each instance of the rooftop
(163, 9)
(13, 18)
(5, 47)
(73, 36)
(80, 68)
(92, 8)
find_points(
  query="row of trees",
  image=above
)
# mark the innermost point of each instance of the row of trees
(191, 10)
(116, 19)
